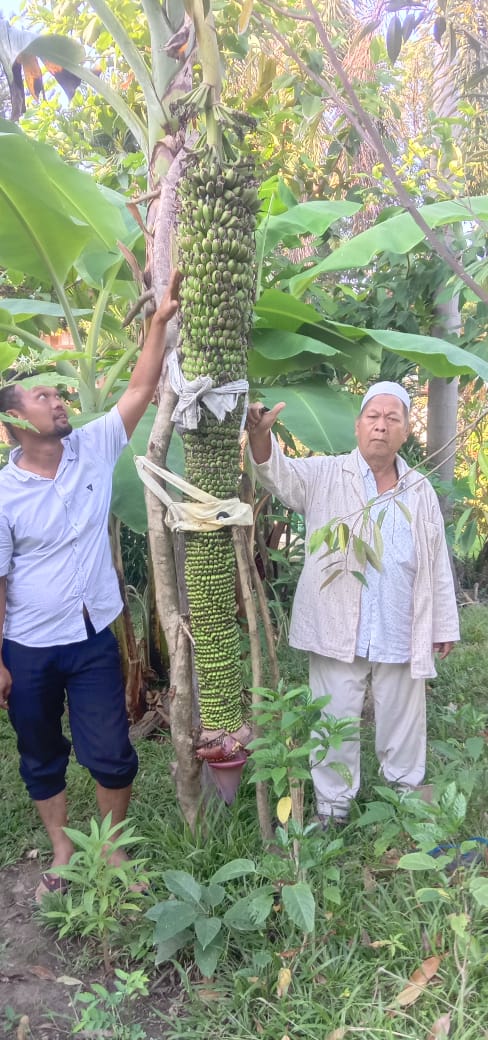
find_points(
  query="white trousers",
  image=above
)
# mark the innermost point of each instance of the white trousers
(399, 703)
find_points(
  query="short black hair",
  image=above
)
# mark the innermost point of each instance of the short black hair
(8, 397)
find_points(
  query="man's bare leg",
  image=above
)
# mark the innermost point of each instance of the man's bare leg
(54, 815)
(115, 801)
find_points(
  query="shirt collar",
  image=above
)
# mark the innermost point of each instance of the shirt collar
(25, 474)
(364, 467)
(401, 467)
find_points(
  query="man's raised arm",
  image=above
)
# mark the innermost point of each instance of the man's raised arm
(147, 370)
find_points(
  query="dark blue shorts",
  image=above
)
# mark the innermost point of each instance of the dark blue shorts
(88, 675)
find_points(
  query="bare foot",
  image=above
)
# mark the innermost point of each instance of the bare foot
(50, 880)
(117, 859)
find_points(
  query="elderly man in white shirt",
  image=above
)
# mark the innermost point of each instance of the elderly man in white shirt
(387, 629)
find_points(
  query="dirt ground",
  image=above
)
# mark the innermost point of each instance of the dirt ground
(40, 976)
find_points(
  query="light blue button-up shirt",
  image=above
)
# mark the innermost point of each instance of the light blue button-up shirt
(385, 620)
(54, 544)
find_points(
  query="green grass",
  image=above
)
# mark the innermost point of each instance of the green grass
(363, 952)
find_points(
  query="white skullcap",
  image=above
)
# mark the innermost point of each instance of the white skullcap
(386, 387)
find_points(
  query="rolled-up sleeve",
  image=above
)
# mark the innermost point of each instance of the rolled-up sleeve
(6, 545)
(291, 480)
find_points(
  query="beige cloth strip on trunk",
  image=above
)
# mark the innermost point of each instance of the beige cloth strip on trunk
(204, 513)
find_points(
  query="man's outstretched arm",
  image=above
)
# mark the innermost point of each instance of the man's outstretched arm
(5, 677)
(147, 370)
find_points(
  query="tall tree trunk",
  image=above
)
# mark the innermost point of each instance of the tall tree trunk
(443, 394)
(442, 408)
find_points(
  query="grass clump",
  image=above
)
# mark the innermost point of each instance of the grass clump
(389, 914)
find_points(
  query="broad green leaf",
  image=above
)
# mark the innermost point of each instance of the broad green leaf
(8, 354)
(459, 807)
(182, 884)
(8, 127)
(320, 417)
(49, 211)
(261, 905)
(375, 812)
(459, 923)
(307, 218)
(299, 904)
(5, 318)
(418, 861)
(206, 929)
(128, 501)
(37, 236)
(432, 895)
(474, 747)
(479, 890)
(168, 947)
(234, 869)
(51, 378)
(318, 537)
(23, 309)
(174, 916)
(249, 913)
(279, 310)
(275, 353)
(397, 234)
(439, 357)
(55, 49)
(260, 367)
(238, 917)
(332, 894)
(207, 959)
(213, 895)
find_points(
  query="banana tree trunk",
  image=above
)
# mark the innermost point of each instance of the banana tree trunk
(165, 172)
(131, 659)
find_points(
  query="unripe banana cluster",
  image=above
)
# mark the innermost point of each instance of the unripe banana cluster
(217, 218)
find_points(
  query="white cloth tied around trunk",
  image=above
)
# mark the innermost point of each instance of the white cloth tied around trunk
(204, 513)
(218, 399)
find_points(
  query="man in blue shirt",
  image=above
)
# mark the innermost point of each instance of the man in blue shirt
(59, 593)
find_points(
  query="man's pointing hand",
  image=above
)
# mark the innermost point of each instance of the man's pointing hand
(259, 423)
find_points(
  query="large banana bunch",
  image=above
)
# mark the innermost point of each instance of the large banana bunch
(217, 219)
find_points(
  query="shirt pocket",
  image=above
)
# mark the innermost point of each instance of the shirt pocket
(90, 501)
(432, 532)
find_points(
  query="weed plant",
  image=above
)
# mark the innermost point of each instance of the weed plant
(344, 978)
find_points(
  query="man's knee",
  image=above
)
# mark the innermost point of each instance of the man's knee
(116, 774)
(45, 776)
